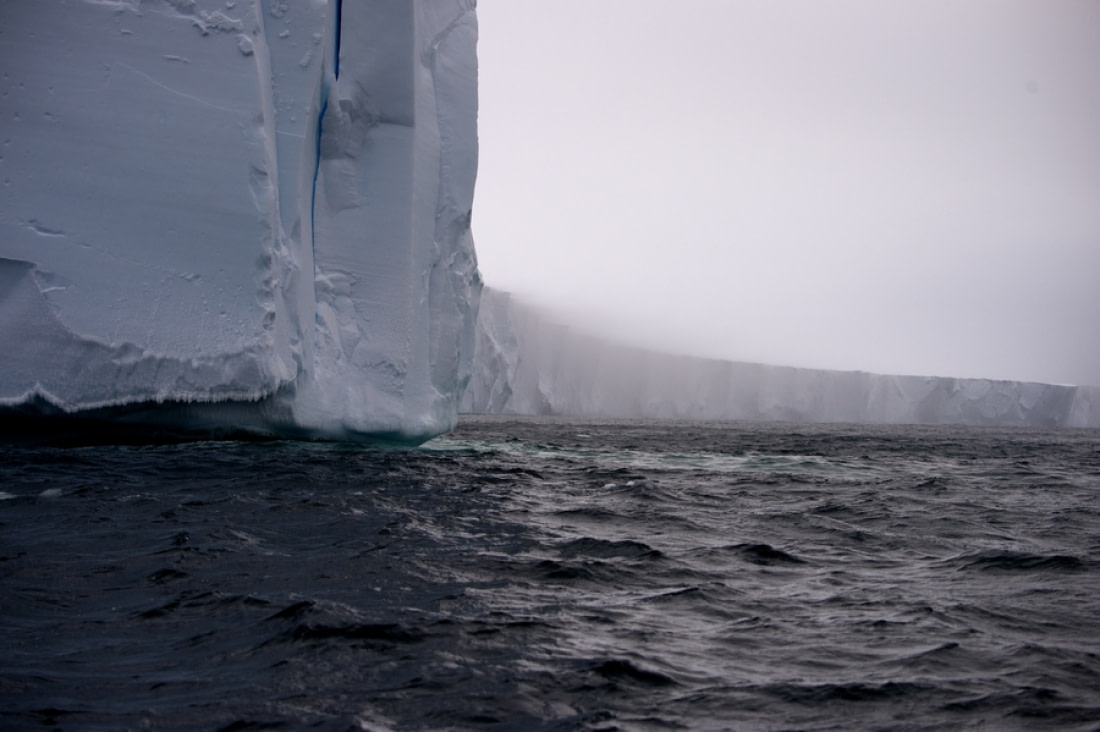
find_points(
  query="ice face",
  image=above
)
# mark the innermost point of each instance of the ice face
(526, 363)
(260, 203)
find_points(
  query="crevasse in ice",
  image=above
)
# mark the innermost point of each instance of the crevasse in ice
(247, 214)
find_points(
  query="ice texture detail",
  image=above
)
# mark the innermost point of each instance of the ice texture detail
(259, 211)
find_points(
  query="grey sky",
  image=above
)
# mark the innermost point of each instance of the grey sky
(900, 187)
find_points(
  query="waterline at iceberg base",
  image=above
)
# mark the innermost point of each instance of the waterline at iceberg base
(526, 362)
(239, 216)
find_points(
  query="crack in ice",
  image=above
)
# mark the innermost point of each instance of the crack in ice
(177, 92)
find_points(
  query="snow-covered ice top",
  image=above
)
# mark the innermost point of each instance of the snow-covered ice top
(258, 206)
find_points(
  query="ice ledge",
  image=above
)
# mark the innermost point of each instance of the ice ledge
(48, 362)
(526, 363)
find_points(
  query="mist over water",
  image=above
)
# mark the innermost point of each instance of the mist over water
(556, 574)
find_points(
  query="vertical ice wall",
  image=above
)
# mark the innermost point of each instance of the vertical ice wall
(526, 363)
(239, 213)
(397, 162)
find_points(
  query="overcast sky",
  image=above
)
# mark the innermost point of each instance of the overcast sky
(897, 187)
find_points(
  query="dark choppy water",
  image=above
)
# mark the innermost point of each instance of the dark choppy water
(543, 574)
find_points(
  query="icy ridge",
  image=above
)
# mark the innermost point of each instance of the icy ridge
(526, 363)
(258, 201)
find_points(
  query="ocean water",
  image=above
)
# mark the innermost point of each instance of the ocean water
(548, 574)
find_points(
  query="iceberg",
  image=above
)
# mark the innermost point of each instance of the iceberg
(528, 363)
(248, 215)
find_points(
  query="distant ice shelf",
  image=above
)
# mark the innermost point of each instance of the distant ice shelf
(528, 363)
(249, 215)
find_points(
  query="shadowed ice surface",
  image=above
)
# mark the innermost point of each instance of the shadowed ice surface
(549, 574)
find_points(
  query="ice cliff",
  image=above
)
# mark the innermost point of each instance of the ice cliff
(239, 214)
(526, 363)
